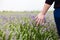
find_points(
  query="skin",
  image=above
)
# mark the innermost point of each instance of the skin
(41, 16)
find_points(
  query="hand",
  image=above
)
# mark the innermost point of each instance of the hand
(40, 19)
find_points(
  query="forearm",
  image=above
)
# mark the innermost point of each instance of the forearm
(45, 8)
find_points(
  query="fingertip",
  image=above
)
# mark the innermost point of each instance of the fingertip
(37, 23)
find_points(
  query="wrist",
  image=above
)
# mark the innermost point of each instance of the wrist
(42, 13)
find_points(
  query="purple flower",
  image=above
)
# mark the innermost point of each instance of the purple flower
(11, 18)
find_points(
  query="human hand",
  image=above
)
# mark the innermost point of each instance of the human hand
(40, 18)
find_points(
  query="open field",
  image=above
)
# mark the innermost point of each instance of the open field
(21, 26)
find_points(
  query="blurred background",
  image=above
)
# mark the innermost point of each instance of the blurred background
(22, 5)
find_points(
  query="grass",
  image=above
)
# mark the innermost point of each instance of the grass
(25, 29)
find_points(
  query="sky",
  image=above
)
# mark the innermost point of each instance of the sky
(22, 5)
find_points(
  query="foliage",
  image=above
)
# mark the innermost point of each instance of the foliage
(27, 30)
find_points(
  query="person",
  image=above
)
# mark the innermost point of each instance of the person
(41, 16)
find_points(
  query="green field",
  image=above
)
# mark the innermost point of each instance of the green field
(22, 26)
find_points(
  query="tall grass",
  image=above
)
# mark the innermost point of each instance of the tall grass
(26, 30)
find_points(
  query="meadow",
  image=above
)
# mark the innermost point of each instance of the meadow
(22, 26)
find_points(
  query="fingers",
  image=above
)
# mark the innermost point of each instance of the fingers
(42, 21)
(36, 17)
(37, 22)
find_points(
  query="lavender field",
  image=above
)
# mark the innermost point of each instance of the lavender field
(22, 26)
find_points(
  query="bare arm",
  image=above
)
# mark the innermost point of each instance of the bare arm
(45, 8)
(40, 17)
